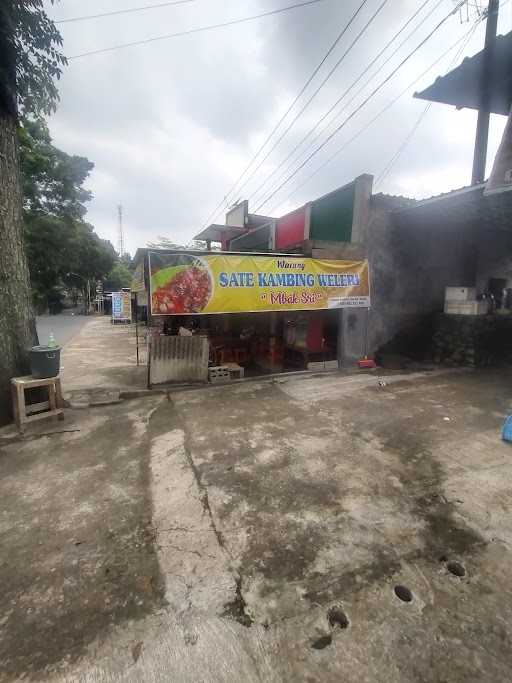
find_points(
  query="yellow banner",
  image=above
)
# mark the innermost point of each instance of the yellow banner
(186, 284)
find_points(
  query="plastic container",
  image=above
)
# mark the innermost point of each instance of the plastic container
(460, 294)
(466, 307)
(507, 429)
(44, 361)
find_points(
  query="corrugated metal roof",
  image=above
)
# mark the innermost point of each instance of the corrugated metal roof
(392, 200)
(446, 195)
(216, 233)
(461, 87)
(465, 206)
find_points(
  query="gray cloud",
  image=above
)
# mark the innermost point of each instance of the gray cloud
(170, 125)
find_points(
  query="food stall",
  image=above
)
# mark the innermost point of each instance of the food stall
(261, 312)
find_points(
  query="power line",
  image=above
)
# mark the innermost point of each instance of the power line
(123, 11)
(361, 106)
(315, 93)
(191, 31)
(385, 172)
(235, 187)
(352, 99)
(345, 93)
(370, 123)
(402, 146)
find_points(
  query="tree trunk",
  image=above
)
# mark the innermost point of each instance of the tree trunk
(17, 323)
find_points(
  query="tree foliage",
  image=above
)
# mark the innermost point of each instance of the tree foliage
(52, 180)
(30, 58)
(167, 243)
(126, 259)
(61, 247)
(120, 276)
(30, 62)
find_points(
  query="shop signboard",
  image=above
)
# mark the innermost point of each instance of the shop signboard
(121, 306)
(189, 284)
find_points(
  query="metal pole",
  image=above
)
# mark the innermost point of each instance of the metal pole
(484, 115)
(340, 349)
(121, 235)
(149, 362)
(137, 328)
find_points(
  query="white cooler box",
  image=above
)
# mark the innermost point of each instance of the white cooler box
(460, 294)
(466, 307)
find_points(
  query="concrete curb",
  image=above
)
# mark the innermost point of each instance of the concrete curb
(114, 396)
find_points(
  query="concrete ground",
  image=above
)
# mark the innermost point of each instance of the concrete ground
(103, 356)
(323, 528)
(78, 552)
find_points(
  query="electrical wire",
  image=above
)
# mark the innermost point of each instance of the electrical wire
(360, 106)
(402, 146)
(122, 11)
(318, 89)
(254, 196)
(385, 172)
(236, 186)
(369, 124)
(201, 29)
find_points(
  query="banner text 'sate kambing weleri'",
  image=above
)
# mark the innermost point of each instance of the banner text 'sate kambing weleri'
(188, 284)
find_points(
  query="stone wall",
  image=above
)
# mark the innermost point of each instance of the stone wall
(472, 340)
(411, 264)
(494, 257)
(410, 268)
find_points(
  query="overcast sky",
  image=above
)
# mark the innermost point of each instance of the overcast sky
(171, 125)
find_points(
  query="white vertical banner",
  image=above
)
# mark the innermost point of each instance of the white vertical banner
(121, 306)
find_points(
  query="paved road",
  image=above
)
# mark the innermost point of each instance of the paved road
(64, 327)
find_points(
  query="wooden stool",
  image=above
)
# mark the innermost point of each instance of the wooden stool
(23, 412)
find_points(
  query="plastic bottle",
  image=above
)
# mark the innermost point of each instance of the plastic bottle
(51, 341)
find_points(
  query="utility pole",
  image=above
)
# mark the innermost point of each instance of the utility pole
(482, 126)
(121, 235)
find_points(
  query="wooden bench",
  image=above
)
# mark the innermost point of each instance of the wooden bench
(30, 412)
